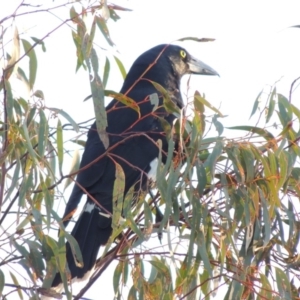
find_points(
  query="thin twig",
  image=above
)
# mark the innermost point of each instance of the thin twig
(291, 89)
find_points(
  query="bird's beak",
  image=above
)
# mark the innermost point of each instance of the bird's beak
(198, 67)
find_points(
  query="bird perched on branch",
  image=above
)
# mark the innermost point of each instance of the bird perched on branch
(133, 131)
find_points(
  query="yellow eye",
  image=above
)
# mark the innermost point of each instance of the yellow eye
(182, 53)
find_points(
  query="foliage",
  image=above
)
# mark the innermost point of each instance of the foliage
(225, 209)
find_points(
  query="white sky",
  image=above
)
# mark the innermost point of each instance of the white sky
(254, 47)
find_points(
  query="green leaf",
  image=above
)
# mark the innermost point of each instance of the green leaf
(121, 67)
(135, 229)
(199, 106)
(48, 198)
(260, 131)
(32, 62)
(201, 177)
(132, 294)
(9, 101)
(205, 282)
(22, 76)
(73, 168)
(207, 104)
(78, 37)
(117, 276)
(18, 110)
(22, 250)
(148, 220)
(249, 162)
(118, 196)
(103, 28)
(256, 103)
(30, 116)
(196, 39)
(39, 94)
(271, 105)
(169, 105)
(106, 72)
(161, 267)
(60, 254)
(235, 290)
(126, 101)
(24, 222)
(66, 116)
(15, 55)
(88, 40)
(39, 42)
(284, 165)
(154, 100)
(233, 153)
(43, 133)
(98, 99)
(14, 182)
(296, 111)
(266, 291)
(16, 283)
(2, 281)
(218, 125)
(35, 258)
(285, 110)
(60, 146)
(283, 284)
(77, 255)
(266, 218)
(203, 252)
(25, 133)
(213, 157)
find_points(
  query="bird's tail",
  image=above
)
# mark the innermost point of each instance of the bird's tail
(90, 231)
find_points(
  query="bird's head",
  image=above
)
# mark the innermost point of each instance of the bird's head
(164, 64)
(184, 63)
(165, 59)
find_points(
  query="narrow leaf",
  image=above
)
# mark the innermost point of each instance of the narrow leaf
(25, 134)
(60, 146)
(16, 283)
(43, 133)
(203, 252)
(271, 105)
(106, 72)
(260, 131)
(104, 29)
(75, 249)
(207, 104)
(73, 168)
(9, 101)
(15, 55)
(121, 67)
(283, 284)
(201, 177)
(126, 101)
(169, 105)
(218, 125)
(255, 105)
(117, 276)
(39, 42)
(29, 50)
(213, 157)
(66, 116)
(196, 39)
(118, 194)
(2, 282)
(98, 99)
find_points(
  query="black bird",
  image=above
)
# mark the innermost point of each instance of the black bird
(132, 144)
